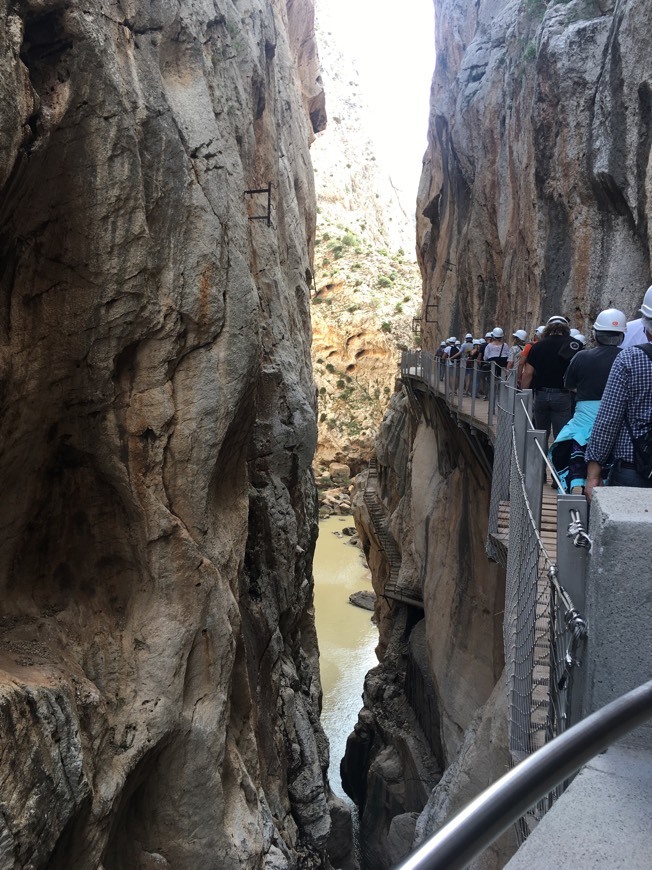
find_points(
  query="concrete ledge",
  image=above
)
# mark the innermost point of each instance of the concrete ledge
(603, 819)
(618, 655)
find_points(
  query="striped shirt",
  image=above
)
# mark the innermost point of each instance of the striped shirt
(628, 391)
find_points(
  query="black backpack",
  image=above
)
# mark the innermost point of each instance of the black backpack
(642, 444)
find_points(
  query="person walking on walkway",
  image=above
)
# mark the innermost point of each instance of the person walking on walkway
(544, 370)
(586, 376)
(517, 348)
(635, 329)
(624, 417)
(538, 335)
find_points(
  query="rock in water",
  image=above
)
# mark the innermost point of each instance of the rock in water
(364, 599)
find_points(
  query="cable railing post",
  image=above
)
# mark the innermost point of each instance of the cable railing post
(474, 386)
(522, 423)
(446, 378)
(572, 558)
(572, 566)
(492, 394)
(460, 386)
(534, 469)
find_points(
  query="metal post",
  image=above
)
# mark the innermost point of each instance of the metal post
(461, 372)
(572, 561)
(521, 423)
(474, 386)
(534, 469)
(572, 566)
(446, 378)
(492, 395)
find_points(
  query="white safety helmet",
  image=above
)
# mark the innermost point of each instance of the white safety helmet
(611, 320)
(646, 307)
(539, 330)
(581, 338)
(469, 335)
(453, 339)
(557, 318)
(497, 332)
(488, 336)
(443, 344)
(521, 334)
(575, 332)
(477, 341)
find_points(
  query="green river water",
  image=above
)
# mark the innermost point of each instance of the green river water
(347, 637)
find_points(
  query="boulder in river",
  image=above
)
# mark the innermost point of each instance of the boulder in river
(365, 599)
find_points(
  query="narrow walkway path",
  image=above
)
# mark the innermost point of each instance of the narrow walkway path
(379, 520)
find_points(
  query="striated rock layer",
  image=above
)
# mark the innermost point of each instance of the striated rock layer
(535, 193)
(159, 687)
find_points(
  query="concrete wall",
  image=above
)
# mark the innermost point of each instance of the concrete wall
(619, 599)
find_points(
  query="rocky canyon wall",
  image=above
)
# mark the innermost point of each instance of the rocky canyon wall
(534, 200)
(159, 686)
(535, 194)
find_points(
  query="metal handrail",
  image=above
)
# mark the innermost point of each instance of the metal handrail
(499, 806)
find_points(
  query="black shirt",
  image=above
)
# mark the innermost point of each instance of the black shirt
(588, 372)
(548, 365)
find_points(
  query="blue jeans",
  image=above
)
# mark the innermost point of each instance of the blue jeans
(619, 476)
(552, 409)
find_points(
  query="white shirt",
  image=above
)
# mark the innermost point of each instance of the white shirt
(635, 333)
(493, 351)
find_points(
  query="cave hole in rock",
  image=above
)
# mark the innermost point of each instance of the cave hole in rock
(45, 42)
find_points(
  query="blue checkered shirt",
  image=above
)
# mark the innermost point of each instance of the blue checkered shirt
(628, 390)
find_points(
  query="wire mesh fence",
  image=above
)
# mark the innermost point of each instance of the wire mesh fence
(497, 540)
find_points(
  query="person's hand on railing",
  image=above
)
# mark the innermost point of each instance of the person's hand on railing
(593, 478)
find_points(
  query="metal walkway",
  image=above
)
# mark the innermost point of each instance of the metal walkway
(379, 520)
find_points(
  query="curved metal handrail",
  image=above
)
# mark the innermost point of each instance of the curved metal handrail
(492, 812)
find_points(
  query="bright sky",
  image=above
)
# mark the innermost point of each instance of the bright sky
(394, 45)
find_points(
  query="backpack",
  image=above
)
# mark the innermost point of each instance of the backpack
(642, 444)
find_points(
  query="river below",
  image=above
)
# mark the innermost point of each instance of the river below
(347, 637)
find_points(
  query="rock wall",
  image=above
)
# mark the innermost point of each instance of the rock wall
(159, 686)
(535, 193)
(436, 492)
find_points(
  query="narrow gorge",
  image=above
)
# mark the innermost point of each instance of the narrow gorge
(162, 269)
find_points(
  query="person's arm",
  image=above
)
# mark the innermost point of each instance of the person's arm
(527, 376)
(593, 478)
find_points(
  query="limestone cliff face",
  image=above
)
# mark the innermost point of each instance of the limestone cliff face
(159, 688)
(536, 187)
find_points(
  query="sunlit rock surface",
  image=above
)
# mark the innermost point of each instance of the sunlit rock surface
(367, 284)
(159, 689)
